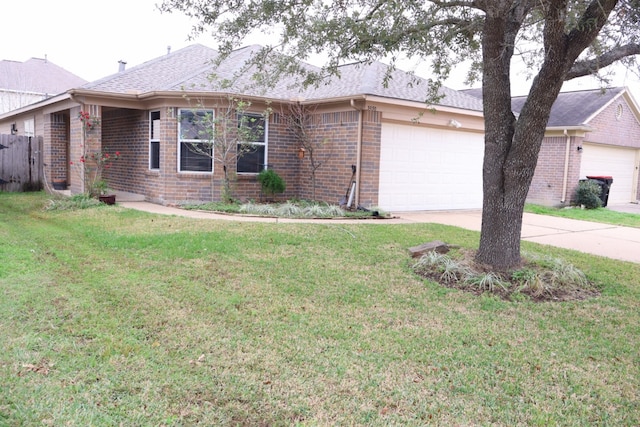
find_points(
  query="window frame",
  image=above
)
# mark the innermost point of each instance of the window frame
(264, 143)
(29, 127)
(181, 140)
(154, 139)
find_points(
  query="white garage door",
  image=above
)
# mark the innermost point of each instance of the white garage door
(620, 163)
(429, 169)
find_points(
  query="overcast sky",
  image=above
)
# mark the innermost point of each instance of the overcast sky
(89, 38)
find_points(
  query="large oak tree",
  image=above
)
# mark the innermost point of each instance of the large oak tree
(558, 39)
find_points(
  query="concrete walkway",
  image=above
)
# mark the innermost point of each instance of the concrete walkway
(610, 241)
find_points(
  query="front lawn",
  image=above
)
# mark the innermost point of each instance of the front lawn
(111, 316)
(602, 215)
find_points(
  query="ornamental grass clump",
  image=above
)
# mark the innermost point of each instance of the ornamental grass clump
(288, 210)
(292, 209)
(540, 278)
(448, 269)
(251, 208)
(486, 282)
(77, 201)
(548, 276)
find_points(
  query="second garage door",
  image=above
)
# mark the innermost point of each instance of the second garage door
(429, 169)
(620, 163)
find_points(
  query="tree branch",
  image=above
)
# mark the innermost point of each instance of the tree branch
(588, 67)
(456, 3)
(590, 24)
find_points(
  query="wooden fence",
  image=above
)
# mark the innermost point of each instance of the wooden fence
(21, 163)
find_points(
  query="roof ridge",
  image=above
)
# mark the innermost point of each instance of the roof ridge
(606, 89)
(208, 65)
(147, 63)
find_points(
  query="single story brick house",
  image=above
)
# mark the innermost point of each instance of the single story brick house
(407, 155)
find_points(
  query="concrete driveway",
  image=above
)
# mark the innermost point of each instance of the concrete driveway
(606, 240)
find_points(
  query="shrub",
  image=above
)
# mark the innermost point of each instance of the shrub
(588, 194)
(271, 182)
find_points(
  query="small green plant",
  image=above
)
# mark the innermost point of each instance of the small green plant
(486, 282)
(588, 194)
(528, 280)
(271, 182)
(100, 188)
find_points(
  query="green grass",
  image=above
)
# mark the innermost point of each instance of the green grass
(111, 316)
(602, 215)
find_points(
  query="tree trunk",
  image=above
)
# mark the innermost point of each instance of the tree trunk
(511, 146)
(502, 206)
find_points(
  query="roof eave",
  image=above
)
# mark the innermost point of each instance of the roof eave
(75, 93)
(202, 95)
(573, 128)
(388, 100)
(602, 107)
(35, 105)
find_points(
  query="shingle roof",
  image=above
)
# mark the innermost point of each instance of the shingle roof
(38, 76)
(369, 79)
(570, 108)
(160, 74)
(574, 108)
(190, 68)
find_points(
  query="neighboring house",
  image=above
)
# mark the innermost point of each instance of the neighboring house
(592, 132)
(23, 83)
(407, 155)
(589, 133)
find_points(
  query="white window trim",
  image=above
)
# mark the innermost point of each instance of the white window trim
(30, 127)
(180, 141)
(265, 143)
(152, 128)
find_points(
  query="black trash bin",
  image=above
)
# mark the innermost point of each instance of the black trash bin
(605, 185)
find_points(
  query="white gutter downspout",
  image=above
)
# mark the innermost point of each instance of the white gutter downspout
(565, 178)
(358, 152)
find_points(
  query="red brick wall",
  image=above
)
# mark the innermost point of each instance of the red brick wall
(56, 156)
(336, 134)
(623, 130)
(547, 184)
(370, 165)
(127, 131)
(615, 125)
